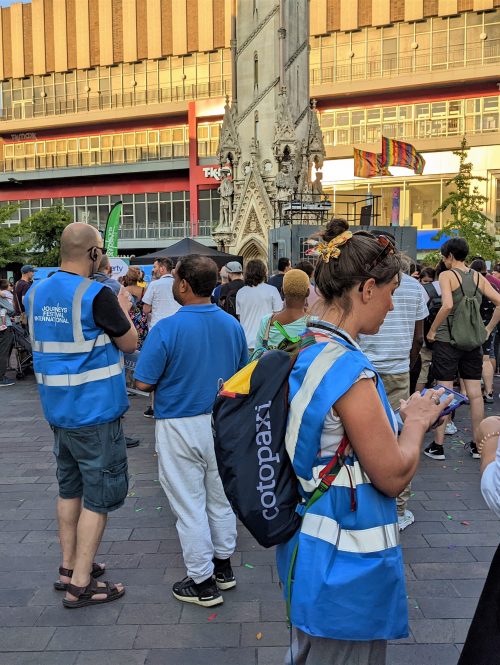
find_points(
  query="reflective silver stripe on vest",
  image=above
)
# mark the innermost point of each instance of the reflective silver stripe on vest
(80, 344)
(69, 380)
(348, 476)
(361, 541)
(316, 371)
(31, 300)
(71, 347)
(77, 309)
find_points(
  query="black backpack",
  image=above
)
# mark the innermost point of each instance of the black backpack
(249, 425)
(433, 305)
(229, 304)
(249, 434)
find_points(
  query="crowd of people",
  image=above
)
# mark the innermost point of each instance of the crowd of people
(381, 329)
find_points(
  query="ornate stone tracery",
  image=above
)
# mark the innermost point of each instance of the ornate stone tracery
(270, 137)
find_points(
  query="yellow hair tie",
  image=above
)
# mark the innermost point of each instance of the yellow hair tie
(330, 250)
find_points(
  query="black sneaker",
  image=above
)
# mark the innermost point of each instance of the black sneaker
(434, 451)
(149, 413)
(488, 398)
(205, 593)
(472, 449)
(224, 576)
(131, 443)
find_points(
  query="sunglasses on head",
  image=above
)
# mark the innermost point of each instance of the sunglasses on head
(387, 247)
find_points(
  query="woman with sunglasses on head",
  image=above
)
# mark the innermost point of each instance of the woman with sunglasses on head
(343, 570)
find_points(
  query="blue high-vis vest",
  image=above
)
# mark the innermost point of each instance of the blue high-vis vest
(348, 578)
(78, 369)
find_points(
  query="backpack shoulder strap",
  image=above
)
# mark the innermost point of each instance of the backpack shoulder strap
(431, 291)
(457, 275)
(477, 283)
(265, 339)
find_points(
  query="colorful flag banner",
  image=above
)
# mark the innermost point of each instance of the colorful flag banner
(368, 164)
(399, 153)
(112, 229)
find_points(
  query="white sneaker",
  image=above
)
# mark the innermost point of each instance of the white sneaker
(450, 428)
(406, 520)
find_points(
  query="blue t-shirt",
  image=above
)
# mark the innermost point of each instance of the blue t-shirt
(186, 355)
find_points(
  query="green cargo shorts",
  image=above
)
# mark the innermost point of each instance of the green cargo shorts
(92, 463)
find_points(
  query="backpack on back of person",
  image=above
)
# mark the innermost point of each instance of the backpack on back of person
(487, 307)
(229, 304)
(433, 305)
(467, 330)
(249, 425)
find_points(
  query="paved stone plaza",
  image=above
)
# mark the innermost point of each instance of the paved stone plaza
(447, 554)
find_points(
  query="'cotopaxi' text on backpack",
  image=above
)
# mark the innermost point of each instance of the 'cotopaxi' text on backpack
(249, 425)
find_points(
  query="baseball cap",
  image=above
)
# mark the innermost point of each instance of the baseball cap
(28, 268)
(234, 266)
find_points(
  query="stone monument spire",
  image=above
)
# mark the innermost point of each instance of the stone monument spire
(271, 137)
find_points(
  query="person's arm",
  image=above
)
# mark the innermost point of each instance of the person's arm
(418, 340)
(5, 304)
(111, 314)
(446, 303)
(152, 362)
(488, 446)
(492, 294)
(147, 300)
(238, 304)
(389, 462)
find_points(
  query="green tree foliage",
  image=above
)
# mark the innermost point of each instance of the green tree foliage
(43, 234)
(13, 249)
(466, 205)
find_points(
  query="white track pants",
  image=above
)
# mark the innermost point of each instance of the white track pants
(187, 470)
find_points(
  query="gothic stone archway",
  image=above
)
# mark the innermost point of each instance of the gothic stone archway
(252, 249)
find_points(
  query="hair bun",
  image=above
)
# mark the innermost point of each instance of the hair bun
(335, 227)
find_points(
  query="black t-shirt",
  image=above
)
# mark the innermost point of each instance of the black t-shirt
(230, 287)
(108, 314)
(277, 281)
(20, 290)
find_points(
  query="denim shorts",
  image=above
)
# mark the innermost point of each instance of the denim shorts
(92, 463)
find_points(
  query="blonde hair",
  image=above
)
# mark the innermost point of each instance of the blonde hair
(296, 284)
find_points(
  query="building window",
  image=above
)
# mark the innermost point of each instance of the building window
(430, 45)
(145, 216)
(208, 210)
(193, 76)
(122, 148)
(207, 134)
(409, 121)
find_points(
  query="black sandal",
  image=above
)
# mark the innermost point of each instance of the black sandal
(96, 572)
(84, 594)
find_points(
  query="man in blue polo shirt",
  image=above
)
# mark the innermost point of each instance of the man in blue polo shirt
(184, 360)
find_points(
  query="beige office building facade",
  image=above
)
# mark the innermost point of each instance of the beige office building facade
(106, 100)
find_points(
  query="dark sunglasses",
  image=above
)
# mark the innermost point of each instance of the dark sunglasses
(387, 248)
(103, 249)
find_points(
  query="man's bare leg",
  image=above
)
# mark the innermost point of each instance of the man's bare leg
(88, 538)
(68, 512)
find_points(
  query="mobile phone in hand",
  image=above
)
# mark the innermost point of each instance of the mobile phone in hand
(458, 399)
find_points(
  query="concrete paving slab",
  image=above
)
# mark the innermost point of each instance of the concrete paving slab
(446, 563)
